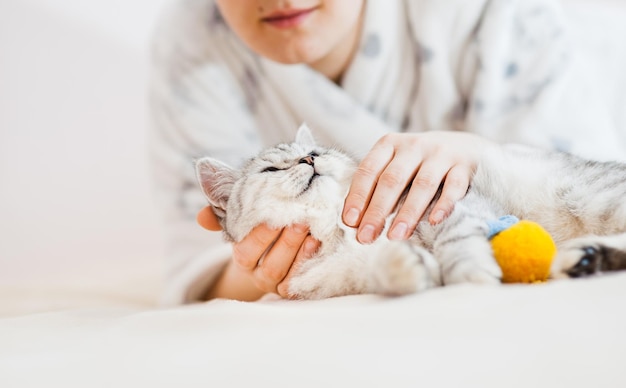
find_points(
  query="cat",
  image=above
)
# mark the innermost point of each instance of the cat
(579, 202)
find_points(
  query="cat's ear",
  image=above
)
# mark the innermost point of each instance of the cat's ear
(304, 136)
(217, 180)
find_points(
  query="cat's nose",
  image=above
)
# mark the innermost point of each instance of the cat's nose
(307, 159)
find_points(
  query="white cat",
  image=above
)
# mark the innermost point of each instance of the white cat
(304, 183)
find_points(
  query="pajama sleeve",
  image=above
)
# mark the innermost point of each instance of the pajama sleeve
(511, 71)
(524, 80)
(197, 109)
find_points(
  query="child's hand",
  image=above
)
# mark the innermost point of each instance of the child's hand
(207, 219)
(280, 249)
(422, 161)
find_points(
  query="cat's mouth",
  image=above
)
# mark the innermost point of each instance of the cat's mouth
(308, 186)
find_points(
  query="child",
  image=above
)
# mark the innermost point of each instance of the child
(417, 88)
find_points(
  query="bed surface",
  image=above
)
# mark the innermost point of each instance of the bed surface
(560, 334)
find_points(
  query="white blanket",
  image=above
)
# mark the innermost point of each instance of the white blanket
(561, 334)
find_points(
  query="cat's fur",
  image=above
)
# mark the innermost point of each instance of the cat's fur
(581, 204)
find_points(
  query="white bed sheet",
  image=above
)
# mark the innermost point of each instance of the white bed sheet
(560, 334)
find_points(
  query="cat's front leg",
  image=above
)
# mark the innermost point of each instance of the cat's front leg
(344, 272)
(590, 255)
(469, 261)
(384, 267)
(461, 246)
(400, 268)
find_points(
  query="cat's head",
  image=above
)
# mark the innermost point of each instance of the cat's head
(298, 182)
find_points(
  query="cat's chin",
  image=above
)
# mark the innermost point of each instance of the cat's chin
(311, 181)
(319, 186)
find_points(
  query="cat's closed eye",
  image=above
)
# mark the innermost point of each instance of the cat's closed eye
(270, 169)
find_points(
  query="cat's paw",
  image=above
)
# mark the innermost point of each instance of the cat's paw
(310, 281)
(481, 269)
(400, 269)
(587, 256)
(325, 277)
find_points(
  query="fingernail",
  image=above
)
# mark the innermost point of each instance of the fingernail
(398, 232)
(310, 247)
(352, 217)
(437, 217)
(367, 234)
(299, 228)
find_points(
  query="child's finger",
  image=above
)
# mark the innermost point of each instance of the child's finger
(279, 258)
(248, 252)
(455, 187)
(207, 219)
(307, 250)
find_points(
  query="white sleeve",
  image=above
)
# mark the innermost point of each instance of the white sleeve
(526, 81)
(198, 108)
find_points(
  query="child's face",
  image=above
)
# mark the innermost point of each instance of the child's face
(292, 31)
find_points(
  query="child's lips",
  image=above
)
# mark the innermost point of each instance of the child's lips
(288, 18)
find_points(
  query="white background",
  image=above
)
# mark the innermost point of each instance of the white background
(75, 201)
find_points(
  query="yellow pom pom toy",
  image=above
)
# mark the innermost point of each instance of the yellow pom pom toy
(523, 249)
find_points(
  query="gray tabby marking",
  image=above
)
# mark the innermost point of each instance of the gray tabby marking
(579, 202)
